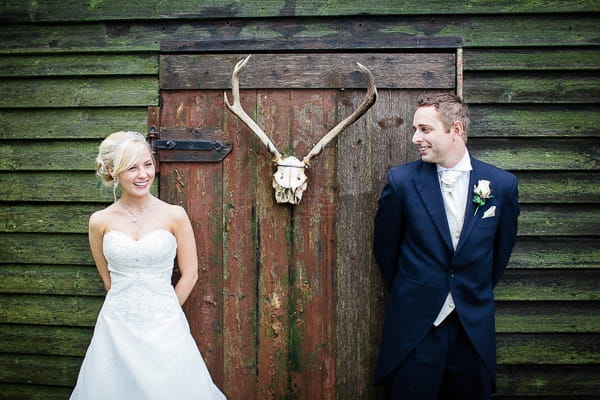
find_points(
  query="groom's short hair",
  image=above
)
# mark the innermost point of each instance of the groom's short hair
(451, 108)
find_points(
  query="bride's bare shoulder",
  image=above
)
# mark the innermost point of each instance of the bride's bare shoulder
(101, 219)
(173, 211)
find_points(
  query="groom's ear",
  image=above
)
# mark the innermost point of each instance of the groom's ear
(458, 129)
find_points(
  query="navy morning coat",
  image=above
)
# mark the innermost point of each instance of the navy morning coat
(413, 249)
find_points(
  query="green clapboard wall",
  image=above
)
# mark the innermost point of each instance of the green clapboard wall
(72, 71)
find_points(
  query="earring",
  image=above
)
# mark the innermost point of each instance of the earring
(115, 184)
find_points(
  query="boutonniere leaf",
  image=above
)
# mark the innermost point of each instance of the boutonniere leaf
(481, 193)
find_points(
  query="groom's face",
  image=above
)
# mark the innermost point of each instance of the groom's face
(435, 143)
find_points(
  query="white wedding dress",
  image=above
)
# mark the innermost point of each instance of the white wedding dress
(142, 348)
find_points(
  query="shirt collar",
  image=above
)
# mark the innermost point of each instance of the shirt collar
(463, 165)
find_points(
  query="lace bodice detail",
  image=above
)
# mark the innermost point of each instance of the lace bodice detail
(140, 275)
(150, 256)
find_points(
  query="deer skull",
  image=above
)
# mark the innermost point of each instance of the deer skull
(289, 180)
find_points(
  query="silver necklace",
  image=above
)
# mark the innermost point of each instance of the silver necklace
(134, 216)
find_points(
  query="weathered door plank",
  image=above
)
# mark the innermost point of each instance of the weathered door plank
(199, 190)
(312, 340)
(240, 274)
(274, 248)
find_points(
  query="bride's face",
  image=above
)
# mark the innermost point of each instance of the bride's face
(137, 180)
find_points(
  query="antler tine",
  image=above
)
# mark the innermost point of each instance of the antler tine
(367, 102)
(237, 110)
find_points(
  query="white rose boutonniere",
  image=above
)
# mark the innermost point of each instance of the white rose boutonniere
(481, 193)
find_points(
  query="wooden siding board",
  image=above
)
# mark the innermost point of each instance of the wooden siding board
(39, 369)
(550, 285)
(50, 279)
(538, 154)
(49, 310)
(558, 186)
(308, 44)
(548, 349)
(78, 65)
(551, 381)
(48, 218)
(78, 92)
(556, 252)
(70, 123)
(353, 32)
(57, 248)
(60, 11)
(44, 340)
(53, 187)
(27, 391)
(305, 71)
(534, 120)
(547, 87)
(534, 59)
(547, 317)
(59, 155)
(560, 220)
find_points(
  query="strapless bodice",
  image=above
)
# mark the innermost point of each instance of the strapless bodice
(142, 347)
(150, 257)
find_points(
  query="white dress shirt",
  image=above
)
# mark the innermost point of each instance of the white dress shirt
(460, 194)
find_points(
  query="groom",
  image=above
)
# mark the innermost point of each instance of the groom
(444, 231)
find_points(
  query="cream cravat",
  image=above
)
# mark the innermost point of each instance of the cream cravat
(456, 215)
(454, 212)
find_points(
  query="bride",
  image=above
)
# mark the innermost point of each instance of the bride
(142, 347)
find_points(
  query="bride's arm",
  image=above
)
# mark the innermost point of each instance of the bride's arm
(95, 233)
(187, 258)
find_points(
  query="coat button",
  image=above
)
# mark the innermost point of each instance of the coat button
(451, 273)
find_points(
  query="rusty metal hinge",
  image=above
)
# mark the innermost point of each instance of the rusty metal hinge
(171, 144)
(191, 145)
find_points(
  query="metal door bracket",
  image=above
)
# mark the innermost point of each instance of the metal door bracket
(191, 145)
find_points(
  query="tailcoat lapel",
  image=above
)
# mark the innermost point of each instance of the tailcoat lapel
(427, 186)
(470, 217)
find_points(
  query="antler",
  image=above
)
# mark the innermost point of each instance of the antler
(236, 108)
(367, 102)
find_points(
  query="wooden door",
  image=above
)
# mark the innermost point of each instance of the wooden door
(289, 303)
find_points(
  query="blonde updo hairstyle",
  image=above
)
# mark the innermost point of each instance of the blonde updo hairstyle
(117, 153)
